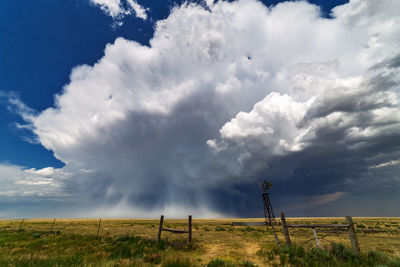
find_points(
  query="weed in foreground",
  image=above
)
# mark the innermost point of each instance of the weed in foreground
(228, 263)
(336, 255)
(220, 263)
(176, 262)
(37, 249)
(361, 225)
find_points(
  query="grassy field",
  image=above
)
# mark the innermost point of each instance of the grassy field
(126, 242)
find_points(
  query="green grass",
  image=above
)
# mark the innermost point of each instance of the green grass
(127, 242)
(220, 263)
(176, 262)
(49, 249)
(335, 255)
(360, 225)
(45, 249)
(228, 263)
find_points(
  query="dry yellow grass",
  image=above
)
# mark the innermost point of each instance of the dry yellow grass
(219, 239)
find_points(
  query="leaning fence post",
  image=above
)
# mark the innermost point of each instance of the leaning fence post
(352, 235)
(285, 229)
(19, 228)
(190, 228)
(160, 227)
(52, 225)
(315, 236)
(98, 229)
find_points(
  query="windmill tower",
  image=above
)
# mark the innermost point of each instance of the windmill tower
(268, 211)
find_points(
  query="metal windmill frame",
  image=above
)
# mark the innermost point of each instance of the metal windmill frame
(268, 211)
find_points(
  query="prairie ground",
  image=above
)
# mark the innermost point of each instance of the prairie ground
(132, 242)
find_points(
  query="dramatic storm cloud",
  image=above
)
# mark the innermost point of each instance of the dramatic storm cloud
(225, 96)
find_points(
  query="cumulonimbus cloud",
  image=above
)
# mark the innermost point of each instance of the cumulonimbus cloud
(228, 94)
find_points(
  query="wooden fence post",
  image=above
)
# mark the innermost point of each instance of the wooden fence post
(160, 227)
(352, 235)
(315, 236)
(52, 225)
(190, 228)
(19, 228)
(285, 229)
(98, 229)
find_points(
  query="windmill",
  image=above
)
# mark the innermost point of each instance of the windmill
(268, 211)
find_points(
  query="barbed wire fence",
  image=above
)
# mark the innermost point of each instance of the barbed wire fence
(349, 227)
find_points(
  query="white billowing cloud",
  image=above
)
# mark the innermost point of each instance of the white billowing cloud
(18, 182)
(112, 8)
(277, 125)
(139, 10)
(116, 9)
(220, 95)
(272, 123)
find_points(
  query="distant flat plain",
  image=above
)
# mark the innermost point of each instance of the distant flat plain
(212, 238)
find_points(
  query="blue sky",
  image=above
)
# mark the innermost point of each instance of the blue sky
(41, 44)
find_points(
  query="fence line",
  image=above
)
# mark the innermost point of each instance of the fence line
(175, 231)
(96, 227)
(19, 228)
(349, 226)
(52, 225)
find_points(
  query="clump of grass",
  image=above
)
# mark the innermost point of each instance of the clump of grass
(82, 250)
(176, 262)
(135, 247)
(220, 263)
(219, 228)
(361, 225)
(247, 264)
(248, 229)
(154, 258)
(267, 253)
(394, 232)
(36, 234)
(342, 253)
(376, 256)
(73, 261)
(182, 245)
(227, 263)
(336, 255)
(394, 263)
